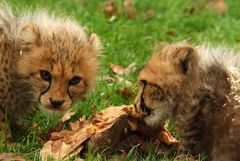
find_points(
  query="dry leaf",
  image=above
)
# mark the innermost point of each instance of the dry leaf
(191, 10)
(125, 93)
(66, 148)
(10, 157)
(172, 33)
(67, 115)
(219, 5)
(108, 79)
(129, 9)
(116, 69)
(120, 70)
(117, 79)
(149, 14)
(110, 9)
(166, 137)
(109, 128)
(78, 159)
(131, 68)
(121, 80)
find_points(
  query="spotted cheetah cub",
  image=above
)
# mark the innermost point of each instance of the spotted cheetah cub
(199, 89)
(45, 61)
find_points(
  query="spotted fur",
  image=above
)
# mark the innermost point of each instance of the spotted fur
(198, 89)
(45, 60)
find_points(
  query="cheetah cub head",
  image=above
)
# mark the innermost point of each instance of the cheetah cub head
(58, 62)
(161, 82)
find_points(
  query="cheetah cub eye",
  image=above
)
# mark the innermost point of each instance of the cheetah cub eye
(75, 80)
(45, 75)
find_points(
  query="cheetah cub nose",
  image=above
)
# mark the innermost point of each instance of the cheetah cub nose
(56, 103)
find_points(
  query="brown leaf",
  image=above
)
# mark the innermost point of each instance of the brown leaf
(74, 125)
(67, 115)
(58, 135)
(110, 9)
(166, 137)
(78, 159)
(125, 93)
(120, 70)
(129, 9)
(66, 147)
(10, 157)
(108, 79)
(117, 68)
(109, 128)
(191, 10)
(55, 145)
(131, 67)
(219, 5)
(172, 33)
(149, 14)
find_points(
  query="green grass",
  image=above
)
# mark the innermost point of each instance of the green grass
(126, 41)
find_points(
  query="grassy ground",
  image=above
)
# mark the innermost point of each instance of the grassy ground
(126, 41)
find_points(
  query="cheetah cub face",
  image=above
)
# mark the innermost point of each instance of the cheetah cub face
(160, 83)
(60, 67)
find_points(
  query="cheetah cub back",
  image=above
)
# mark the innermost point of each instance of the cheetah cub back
(198, 87)
(45, 60)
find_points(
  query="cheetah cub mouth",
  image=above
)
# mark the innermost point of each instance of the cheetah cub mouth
(152, 104)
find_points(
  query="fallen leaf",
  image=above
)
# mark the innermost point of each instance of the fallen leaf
(10, 157)
(112, 18)
(66, 148)
(219, 5)
(109, 128)
(74, 125)
(191, 10)
(67, 115)
(149, 14)
(120, 70)
(108, 79)
(131, 67)
(121, 80)
(117, 68)
(110, 9)
(129, 9)
(125, 93)
(78, 159)
(166, 137)
(171, 32)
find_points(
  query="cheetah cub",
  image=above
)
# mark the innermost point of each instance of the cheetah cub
(45, 61)
(199, 89)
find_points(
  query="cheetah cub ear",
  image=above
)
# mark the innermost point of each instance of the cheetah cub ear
(186, 57)
(94, 43)
(91, 48)
(28, 35)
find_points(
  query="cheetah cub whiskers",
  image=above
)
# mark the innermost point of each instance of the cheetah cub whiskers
(199, 89)
(45, 60)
